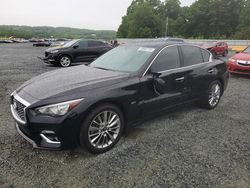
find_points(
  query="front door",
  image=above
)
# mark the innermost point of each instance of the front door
(164, 85)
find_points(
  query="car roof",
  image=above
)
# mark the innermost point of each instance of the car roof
(156, 45)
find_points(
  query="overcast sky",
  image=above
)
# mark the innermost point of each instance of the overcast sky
(89, 14)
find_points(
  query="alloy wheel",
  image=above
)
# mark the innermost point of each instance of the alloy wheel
(104, 129)
(214, 95)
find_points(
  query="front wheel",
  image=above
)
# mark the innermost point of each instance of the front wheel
(212, 96)
(65, 61)
(102, 128)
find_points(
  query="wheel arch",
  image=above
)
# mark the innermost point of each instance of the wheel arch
(64, 54)
(112, 102)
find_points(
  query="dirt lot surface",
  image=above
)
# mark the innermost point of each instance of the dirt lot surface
(190, 147)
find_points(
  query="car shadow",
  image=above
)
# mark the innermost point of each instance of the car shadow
(237, 76)
(140, 128)
(73, 65)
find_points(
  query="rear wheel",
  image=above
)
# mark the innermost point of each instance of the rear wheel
(65, 61)
(212, 96)
(214, 54)
(102, 128)
(225, 53)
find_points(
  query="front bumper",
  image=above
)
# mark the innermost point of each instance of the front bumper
(52, 133)
(235, 68)
(44, 143)
(48, 59)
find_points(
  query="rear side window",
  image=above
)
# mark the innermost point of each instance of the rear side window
(191, 55)
(95, 43)
(83, 44)
(168, 59)
(205, 55)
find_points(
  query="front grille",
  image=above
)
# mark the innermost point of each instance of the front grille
(240, 70)
(244, 63)
(19, 108)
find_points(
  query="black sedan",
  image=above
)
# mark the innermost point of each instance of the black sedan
(42, 44)
(93, 105)
(76, 51)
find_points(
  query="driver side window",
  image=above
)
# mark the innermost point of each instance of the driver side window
(168, 59)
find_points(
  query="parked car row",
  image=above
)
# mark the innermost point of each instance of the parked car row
(13, 41)
(33, 40)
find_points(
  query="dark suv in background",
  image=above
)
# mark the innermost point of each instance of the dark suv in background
(76, 51)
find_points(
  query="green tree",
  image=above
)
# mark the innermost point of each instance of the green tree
(243, 29)
(172, 9)
(141, 22)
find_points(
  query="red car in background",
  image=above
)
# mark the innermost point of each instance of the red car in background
(217, 48)
(240, 62)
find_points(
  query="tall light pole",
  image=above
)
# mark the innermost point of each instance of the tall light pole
(166, 33)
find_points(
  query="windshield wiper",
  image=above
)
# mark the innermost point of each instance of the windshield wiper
(102, 68)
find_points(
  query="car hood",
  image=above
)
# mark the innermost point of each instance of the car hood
(58, 82)
(242, 56)
(55, 48)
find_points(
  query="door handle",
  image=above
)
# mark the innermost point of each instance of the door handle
(181, 79)
(210, 71)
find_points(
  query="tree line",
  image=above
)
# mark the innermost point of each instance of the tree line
(55, 32)
(204, 19)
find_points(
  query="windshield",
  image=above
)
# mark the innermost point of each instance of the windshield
(124, 58)
(247, 50)
(70, 43)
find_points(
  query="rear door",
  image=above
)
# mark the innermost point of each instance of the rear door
(96, 49)
(199, 68)
(164, 85)
(80, 51)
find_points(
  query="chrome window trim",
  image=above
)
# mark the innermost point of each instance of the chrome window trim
(210, 58)
(196, 65)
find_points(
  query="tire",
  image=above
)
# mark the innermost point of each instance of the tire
(213, 95)
(214, 54)
(225, 53)
(65, 61)
(96, 135)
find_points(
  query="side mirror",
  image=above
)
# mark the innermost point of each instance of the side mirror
(158, 83)
(75, 46)
(237, 52)
(155, 74)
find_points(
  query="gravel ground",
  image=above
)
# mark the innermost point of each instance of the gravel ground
(190, 147)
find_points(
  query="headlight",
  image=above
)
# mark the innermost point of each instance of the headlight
(59, 109)
(232, 60)
(54, 51)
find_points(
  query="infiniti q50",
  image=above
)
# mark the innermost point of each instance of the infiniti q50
(92, 105)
